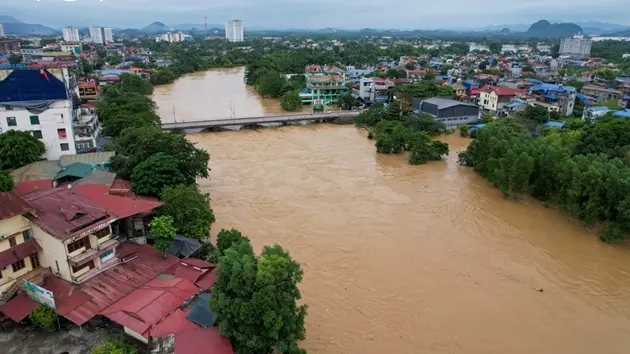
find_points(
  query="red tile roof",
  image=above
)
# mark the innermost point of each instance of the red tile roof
(207, 280)
(121, 207)
(19, 307)
(23, 188)
(65, 214)
(18, 252)
(79, 303)
(146, 306)
(11, 204)
(196, 271)
(210, 339)
(502, 91)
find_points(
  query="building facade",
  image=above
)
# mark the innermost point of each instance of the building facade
(577, 45)
(493, 98)
(601, 94)
(9, 45)
(1, 30)
(108, 34)
(71, 34)
(38, 102)
(20, 255)
(325, 88)
(172, 37)
(450, 112)
(101, 35)
(234, 31)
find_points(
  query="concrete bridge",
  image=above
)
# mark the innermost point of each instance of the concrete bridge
(248, 121)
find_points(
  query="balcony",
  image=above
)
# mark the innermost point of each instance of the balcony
(83, 257)
(107, 244)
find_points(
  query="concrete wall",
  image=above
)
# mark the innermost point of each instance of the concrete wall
(11, 226)
(54, 253)
(58, 116)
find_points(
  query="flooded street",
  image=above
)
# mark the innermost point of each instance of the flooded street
(408, 259)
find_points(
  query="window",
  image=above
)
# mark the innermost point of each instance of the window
(34, 261)
(38, 134)
(102, 233)
(12, 242)
(27, 234)
(34, 120)
(64, 147)
(61, 133)
(18, 265)
(11, 122)
(78, 244)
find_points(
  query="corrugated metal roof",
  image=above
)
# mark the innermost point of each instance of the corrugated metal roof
(23, 188)
(31, 85)
(11, 204)
(146, 306)
(18, 252)
(64, 214)
(210, 339)
(97, 177)
(92, 158)
(121, 207)
(19, 307)
(36, 171)
(174, 323)
(79, 303)
(76, 170)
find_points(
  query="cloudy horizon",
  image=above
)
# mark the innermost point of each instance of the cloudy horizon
(406, 14)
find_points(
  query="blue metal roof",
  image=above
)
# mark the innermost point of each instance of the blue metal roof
(32, 85)
(552, 87)
(553, 124)
(622, 114)
(550, 97)
(513, 104)
(533, 81)
(599, 109)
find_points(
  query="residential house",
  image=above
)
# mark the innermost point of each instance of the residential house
(86, 128)
(20, 255)
(493, 98)
(9, 45)
(325, 88)
(459, 89)
(450, 112)
(601, 94)
(560, 96)
(38, 102)
(414, 74)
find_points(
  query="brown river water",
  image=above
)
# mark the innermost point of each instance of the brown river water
(400, 258)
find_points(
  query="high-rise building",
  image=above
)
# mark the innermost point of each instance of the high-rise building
(578, 45)
(172, 37)
(71, 34)
(1, 30)
(108, 34)
(101, 34)
(234, 31)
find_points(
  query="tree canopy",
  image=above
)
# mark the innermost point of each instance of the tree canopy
(189, 208)
(256, 300)
(163, 233)
(291, 101)
(6, 182)
(19, 148)
(135, 84)
(159, 170)
(119, 110)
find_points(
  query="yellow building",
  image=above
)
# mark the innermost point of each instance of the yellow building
(20, 254)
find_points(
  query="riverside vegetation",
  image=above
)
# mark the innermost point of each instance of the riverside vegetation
(583, 168)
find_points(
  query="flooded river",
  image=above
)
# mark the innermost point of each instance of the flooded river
(408, 259)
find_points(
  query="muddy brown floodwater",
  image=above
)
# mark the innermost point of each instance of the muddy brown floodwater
(415, 259)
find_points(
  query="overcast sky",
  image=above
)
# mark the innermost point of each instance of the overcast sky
(403, 14)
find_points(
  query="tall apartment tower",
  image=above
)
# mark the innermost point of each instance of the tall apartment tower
(101, 35)
(1, 30)
(71, 34)
(578, 45)
(234, 31)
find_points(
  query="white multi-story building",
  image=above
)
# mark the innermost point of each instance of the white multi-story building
(172, 37)
(234, 31)
(578, 45)
(71, 34)
(38, 102)
(101, 35)
(1, 30)
(108, 34)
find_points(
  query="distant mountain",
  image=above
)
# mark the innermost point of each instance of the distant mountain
(600, 27)
(8, 19)
(199, 26)
(544, 28)
(29, 29)
(128, 32)
(156, 27)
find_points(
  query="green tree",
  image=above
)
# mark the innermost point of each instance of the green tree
(6, 182)
(136, 145)
(136, 84)
(611, 104)
(291, 101)
(15, 58)
(463, 130)
(346, 101)
(495, 47)
(163, 76)
(85, 66)
(120, 110)
(114, 345)
(228, 238)
(410, 66)
(272, 84)
(150, 176)
(18, 148)
(297, 82)
(189, 208)
(114, 60)
(445, 91)
(256, 300)
(163, 233)
(45, 318)
(535, 113)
